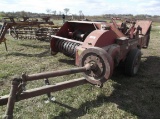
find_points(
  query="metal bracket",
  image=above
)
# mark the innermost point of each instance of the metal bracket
(50, 97)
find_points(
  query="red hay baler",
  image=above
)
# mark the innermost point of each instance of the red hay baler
(98, 47)
(104, 45)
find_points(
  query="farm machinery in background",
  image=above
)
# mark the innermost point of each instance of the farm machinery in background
(97, 47)
(26, 28)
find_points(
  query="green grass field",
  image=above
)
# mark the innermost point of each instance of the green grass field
(121, 97)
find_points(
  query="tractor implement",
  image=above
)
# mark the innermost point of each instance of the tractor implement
(97, 47)
(26, 28)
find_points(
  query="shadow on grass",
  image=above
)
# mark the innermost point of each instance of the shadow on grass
(67, 61)
(36, 46)
(42, 54)
(139, 95)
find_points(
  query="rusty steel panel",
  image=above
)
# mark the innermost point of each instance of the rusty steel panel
(145, 25)
(99, 38)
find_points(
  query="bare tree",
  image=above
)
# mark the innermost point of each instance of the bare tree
(81, 14)
(54, 12)
(48, 11)
(66, 10)
(60, 12)
(23, 14)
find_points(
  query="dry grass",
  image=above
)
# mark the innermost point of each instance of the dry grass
(121, 97)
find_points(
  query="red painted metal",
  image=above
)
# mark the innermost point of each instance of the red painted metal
(117, 39)
(144, 24)
(99, 38)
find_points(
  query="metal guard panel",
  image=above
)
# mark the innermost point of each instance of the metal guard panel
(99, 38)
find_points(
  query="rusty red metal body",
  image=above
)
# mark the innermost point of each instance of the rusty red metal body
(98, 47)
(116, 39)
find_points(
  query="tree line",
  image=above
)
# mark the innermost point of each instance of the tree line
(58, 15)
(31, 14)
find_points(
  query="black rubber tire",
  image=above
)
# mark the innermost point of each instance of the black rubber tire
(132, 62)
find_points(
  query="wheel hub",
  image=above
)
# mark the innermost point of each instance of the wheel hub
(100, 66)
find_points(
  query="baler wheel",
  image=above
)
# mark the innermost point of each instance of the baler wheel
(100, 69)
(133, 62)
